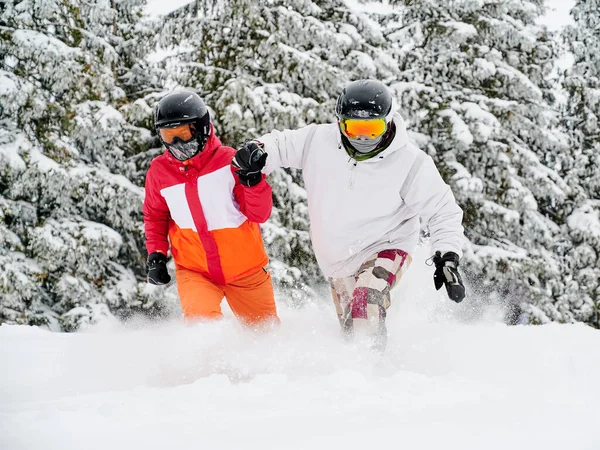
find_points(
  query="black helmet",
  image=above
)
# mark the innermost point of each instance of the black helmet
(365, 117)
(182, 108)
(364, 99)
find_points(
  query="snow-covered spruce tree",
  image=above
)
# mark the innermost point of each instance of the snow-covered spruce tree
(273, 65)
(70, 223)
(474, 86)
(582, 123)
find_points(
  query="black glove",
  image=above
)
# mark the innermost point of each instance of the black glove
(157, 269)
(446, 272)
(249, 161)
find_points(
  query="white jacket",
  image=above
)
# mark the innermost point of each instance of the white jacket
(355, 208)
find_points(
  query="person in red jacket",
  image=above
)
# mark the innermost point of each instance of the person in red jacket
(209, 210)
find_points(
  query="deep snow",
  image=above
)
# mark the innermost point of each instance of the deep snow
(445, 383)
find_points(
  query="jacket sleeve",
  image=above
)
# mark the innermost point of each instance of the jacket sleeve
(431, 198)
(156, 216)
(255, 202)
(287, 148)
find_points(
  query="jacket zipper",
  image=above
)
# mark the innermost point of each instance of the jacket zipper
(352, 174)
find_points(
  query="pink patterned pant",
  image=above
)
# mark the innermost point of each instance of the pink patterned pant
(365, 296)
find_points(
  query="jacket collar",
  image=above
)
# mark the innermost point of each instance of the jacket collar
(200, 160)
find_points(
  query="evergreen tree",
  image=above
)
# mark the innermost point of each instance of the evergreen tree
(472, 78)
(71, 222)
(581, 122)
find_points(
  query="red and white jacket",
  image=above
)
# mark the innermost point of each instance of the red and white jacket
(210, 218)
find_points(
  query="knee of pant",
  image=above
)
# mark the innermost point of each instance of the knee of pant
(380, 298)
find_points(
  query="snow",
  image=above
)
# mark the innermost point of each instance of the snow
(517, 77)
(160, 54)
(484, 68)
(42, 162)
(586, 219)
(348, 34)
(473, 111)
(556, 18)
(489, 253)
(9, 151)
(157, 8)
(460, 130)
(463, 30)
(93, 231)
(298, 54)
(565, 62)
(102, 114)
(113, 179)
(557, 15)
(446, 382)
(363, 63)
(37, 40)
(365, 9)
(7, 84)
(370, 7)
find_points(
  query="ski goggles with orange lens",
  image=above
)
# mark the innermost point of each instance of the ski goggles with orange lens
(182, 132)
(367, 128)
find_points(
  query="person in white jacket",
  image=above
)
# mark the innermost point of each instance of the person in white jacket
(367, 188)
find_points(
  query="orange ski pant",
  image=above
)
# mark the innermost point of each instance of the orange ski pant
(251, 298)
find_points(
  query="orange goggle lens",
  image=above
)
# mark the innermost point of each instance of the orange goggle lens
(183, 132)
(370, 129)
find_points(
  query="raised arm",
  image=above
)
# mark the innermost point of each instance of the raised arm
(251, 190)
(287, 148)
(256, 202)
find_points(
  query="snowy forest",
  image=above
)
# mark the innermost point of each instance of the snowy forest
(507, 107)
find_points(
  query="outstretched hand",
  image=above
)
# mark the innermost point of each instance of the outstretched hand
(446, 273)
